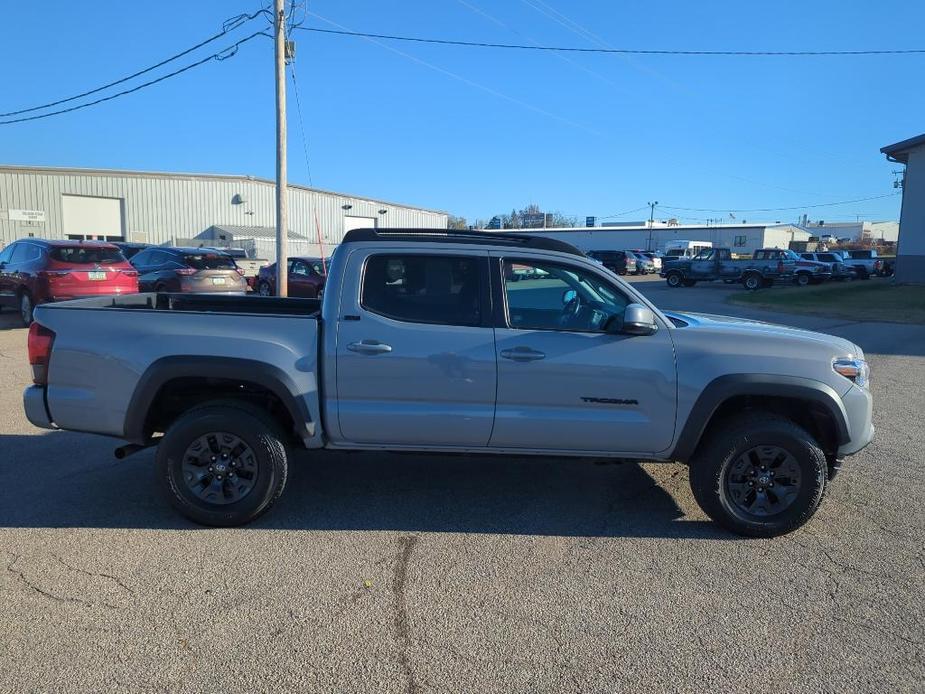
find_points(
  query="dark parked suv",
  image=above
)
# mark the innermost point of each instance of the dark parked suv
(619, 262)
(35, 271)
(163, 269)
(306, 278)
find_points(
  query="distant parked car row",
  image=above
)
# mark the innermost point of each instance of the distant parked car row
(627, 262)
(38, 271)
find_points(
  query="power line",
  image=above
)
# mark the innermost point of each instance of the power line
(298, 103)
(778, 209)
(229, 25)
(620, 214)
(621, 51)
(220, 55)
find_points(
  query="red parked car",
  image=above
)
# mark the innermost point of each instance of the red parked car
(306, 278)
(36, 271)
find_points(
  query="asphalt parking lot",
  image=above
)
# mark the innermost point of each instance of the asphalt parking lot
(420, 573)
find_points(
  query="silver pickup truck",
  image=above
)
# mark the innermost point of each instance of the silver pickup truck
(425, 342)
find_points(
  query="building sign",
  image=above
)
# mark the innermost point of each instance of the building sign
(27, 216)
(590, 221)
(495, 223)
(533, 220)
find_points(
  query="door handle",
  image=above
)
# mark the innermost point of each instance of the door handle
(369, 347)
(522, 354)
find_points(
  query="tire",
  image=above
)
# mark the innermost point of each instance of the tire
(802, 279)
(752, 281)
(26, 309)
(264, 456)
(722, 483)
(674, 279)
(689, 283)
(263, 289)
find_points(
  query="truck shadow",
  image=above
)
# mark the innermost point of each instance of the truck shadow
(62, 479)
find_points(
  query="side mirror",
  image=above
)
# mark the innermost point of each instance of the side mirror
(638, 320)
(568, 296)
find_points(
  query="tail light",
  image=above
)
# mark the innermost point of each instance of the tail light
(876, 265)
(780, 267)
(41, 340)
(187, 271)
(240, 271)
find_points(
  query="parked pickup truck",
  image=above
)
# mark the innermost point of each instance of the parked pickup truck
(424, 342)
(866, 262)
(804, 271)
(717, 264)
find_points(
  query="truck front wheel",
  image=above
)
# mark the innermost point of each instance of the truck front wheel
(752, 281)
(674, 279)
(759, 475)
(223, 463)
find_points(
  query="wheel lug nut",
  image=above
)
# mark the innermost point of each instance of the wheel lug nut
(751, 484)
(219, 477)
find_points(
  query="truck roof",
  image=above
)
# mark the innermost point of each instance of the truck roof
(411, 235)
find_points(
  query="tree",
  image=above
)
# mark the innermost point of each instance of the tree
(454, 222)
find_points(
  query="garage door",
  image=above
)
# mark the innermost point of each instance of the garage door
(359, 223)
(92, 218)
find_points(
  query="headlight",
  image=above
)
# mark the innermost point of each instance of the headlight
(856, 370)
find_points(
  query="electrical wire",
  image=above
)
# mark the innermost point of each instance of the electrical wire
(298, 103)
(778, 209)
(224, 54)
(227, 26)
(620, 214)
(620, 51)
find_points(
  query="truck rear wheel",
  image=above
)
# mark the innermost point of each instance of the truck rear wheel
(674, 279)
(752, 281)
(759, 475)
(223, 463)
(803, 279)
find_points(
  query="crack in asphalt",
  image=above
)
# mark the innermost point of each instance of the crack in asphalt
(402, 628)
(21, 576)
(114, 579)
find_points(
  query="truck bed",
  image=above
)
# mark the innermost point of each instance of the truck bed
(104, 347)
(200, 303)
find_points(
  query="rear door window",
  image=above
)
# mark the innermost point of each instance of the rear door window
(423, 288)
(209, 261)
(77, 255)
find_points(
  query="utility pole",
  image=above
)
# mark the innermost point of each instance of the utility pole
(651, 222)
(282, 202)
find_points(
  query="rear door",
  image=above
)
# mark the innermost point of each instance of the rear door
(563, 382)
(415, 354)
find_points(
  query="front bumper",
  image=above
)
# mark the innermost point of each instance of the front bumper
(859, 408)
(33, 402)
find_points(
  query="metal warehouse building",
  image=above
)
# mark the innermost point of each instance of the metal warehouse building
(174, 208)
(741, 238)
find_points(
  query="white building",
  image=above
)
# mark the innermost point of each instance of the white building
(741, 238)
(910, 248)
(856, 231)
(164, 208)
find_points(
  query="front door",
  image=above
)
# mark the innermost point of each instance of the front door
(703, 265)
(566, 381)
(415, 349)
(7, 295)
(300, 282)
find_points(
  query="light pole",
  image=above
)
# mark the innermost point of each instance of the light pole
(651, 222)
(282, 212)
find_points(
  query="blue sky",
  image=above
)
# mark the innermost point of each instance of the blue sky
(477, 131)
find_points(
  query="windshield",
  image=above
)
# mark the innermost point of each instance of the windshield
(86, 255)
(209, 261)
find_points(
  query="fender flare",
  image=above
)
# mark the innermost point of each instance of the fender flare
(167, 369)
(721, 389)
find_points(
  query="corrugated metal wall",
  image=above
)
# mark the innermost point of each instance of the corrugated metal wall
(167, 206)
